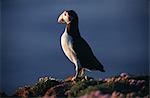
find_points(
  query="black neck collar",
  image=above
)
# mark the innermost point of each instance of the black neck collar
(73, 29)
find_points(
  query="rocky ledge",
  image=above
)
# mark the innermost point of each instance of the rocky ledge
(122, 86)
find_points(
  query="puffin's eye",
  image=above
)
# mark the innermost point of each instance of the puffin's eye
(65, 14)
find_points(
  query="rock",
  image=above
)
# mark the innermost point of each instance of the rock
(22, 92)
(43, 79)
(87, 87)
(58, 90)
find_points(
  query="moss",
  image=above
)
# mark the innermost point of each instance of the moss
(80, 86)
(137, 86)
(102, 87)
(41, 87)
(122, 86)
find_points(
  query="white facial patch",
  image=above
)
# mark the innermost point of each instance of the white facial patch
(65, 18)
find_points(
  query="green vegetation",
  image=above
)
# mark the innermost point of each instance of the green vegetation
(118, 86)
(124, 86)
(41, 87)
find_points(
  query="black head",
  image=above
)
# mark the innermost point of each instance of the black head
(68, 16)
(73, 14)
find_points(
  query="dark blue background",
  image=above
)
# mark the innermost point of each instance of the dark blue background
(116, 30)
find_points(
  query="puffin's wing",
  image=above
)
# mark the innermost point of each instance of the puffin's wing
(85, 55)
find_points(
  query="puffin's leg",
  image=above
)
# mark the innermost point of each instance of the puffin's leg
(77, 73)
(82, 72)
(78, 69)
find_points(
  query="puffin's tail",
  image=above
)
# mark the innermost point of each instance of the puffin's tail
(102, 70)
(98, 66)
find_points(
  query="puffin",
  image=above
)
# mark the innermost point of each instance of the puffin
(75, 47)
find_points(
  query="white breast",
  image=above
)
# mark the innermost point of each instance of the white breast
(67, 46)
